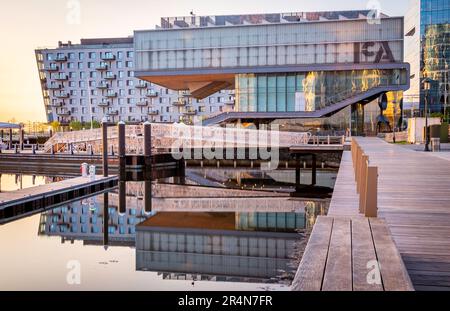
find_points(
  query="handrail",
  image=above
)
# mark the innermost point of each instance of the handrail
(366, 177)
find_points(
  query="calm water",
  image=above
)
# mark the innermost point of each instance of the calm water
(194, 238)
(12, 182)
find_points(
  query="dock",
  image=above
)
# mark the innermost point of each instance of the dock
(413, 219)
(31, 200)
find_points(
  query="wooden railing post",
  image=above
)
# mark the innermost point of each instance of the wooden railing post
(361, 184)
(371, 197)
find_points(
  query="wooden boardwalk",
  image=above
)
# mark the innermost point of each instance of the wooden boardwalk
(414, 200)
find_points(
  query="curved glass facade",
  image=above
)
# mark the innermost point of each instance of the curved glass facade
(308, 91)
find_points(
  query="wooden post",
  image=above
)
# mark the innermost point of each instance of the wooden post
(121, 151)
(21, 137)
(105, 146)
(10, 138)
(148, 149)
(371, 204)
(362, 183)
(314, 170)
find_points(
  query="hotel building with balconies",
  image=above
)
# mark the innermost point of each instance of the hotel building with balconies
(94, 79)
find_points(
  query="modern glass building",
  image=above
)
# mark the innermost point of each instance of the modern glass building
(427, 27)
(282, 66)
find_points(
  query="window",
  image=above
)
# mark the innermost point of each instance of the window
(70, 65)
(120, 74)
(81, 84)
(72, 75)
(119, 55)
(71, 55)
(121, 92)
(120, 83)
(93, 74)
(49, 56)
(80, 66)
(130, 54)
(92, 55)
(81, 55)
(91, 65)
(130, 82)
(72, 84)
(131, 92)
(129, 64)
(83, 92)
(119, 65)
(82, 75)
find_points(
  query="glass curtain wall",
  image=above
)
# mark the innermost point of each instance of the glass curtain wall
(311, 91)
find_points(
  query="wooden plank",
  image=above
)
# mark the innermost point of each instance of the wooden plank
(363, 252)
(338, 271)
(393, 271)
(312, 266)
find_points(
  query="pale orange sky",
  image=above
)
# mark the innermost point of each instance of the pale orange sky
(28, 24)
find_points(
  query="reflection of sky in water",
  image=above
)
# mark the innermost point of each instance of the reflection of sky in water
(246, 248)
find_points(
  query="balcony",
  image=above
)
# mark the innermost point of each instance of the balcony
(229, 102)
(61, 58)
(111, 94)
(153, 112)
(151, 93)
(190, 111)
(56, 105)
(142, 104)
(104, 103)
(113, 113)
(102, 85)
(108, 57)
(51, 68)
(54, 86)
(110, 77)
(63, 112)
(141, 85)
(61, 77)
(102, 67)
(184, 93)
(179, 103)
(62, 95)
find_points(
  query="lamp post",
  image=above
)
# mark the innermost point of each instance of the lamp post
(426, 87)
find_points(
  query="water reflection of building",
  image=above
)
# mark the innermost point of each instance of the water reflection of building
(218, 246)
(84, 220)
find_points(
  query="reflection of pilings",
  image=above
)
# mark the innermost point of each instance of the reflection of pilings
(314, 170)
(148, 196)
(297, 173)
(122, 197)
(121, 151)
(105, 219)
(148, 150)
(105, 147)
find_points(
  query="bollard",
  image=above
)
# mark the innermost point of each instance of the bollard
(361, 184)
(92, 172)
(33, 149)
(84, 170)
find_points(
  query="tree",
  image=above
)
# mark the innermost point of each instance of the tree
(76, 125)
(95, 124)
(55, 125)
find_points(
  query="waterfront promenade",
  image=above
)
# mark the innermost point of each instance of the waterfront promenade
(413, 200)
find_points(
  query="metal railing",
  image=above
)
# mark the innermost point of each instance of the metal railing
(164, 136)
(366, 177)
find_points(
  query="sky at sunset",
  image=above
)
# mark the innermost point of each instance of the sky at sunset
(29, 24)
